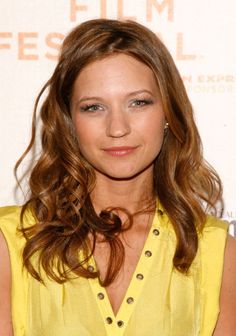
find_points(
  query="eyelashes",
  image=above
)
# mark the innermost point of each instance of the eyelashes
(97, 107)
(90, 108)
(142, 102)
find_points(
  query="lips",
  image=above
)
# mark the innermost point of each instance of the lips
(120, 151)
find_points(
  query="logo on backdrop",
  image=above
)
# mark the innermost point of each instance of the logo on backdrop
(32, 46)
(28, 42)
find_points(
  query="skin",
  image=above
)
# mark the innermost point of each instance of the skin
(127, 111)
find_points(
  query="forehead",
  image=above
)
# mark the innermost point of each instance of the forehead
(116, 71)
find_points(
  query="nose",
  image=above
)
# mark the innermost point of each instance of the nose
(118, 124)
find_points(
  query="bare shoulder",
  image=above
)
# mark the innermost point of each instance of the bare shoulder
(226, 324)
(5, 289)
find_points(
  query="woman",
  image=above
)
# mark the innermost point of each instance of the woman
(115, 238)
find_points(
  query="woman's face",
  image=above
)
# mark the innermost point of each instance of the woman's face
(118, 116)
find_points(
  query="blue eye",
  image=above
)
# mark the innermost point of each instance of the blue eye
(90, 108)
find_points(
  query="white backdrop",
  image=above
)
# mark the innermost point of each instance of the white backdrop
(200, 34)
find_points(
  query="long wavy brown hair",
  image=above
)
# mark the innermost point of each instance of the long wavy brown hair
(61, 180)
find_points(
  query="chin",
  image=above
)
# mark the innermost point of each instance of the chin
(125, 174)
(122, 177)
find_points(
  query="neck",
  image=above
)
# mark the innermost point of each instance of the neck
(133, 195)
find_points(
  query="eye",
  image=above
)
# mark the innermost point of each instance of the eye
(91, 108)
(141, 102)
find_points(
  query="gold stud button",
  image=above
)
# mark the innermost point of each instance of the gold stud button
(148, 253)
(109, 320)
(101, 296)
(139, 276)
(130, 300)
(156, 232)
(120, 324)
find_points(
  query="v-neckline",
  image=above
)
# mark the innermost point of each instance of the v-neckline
(135, 286)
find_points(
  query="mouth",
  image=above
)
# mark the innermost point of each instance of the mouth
(120, 151)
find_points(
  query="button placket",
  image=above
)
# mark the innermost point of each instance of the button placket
(141, 273)
(102, 300)
(116, 325)
(104, 307)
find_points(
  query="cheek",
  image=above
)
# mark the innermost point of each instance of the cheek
(87, 132)
(81, 129)
(153, 130)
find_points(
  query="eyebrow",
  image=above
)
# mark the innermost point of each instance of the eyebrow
(128, 95)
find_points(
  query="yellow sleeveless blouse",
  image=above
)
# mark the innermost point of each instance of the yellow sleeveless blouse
(160, 301)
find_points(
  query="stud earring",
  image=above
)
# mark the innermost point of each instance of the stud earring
(166, 126)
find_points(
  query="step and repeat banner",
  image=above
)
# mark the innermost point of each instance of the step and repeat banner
(200, 35)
